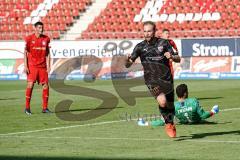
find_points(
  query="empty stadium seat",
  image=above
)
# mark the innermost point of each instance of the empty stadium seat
(186, 18)
(16, 16)
(122, 18)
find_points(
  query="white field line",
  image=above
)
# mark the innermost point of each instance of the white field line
(83, 125)
(66, 127)
(122, 138)
(229, 109)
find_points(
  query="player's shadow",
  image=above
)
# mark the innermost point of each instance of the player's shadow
(207, 98)
(203, 135)
(203, 122)
(3, 99)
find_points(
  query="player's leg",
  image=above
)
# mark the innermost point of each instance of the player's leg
(43, 80)
(45, 94)
(168, 115)
(28, 96)
(31, 78)
(162, 101)
(164, 105)
(166, 108)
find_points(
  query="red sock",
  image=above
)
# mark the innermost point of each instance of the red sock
(28, 97)
(45, 94)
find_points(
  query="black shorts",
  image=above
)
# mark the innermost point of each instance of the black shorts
(156, 90)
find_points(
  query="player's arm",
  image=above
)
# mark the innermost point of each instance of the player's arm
(26, 51)
(155, 123)
(26, 69)
(206, 114)
(203, 114)
(173, 44)
(131, 59)
(176, 58)
(48, 63)
(170, 53)
(128, 62)
(48, 58)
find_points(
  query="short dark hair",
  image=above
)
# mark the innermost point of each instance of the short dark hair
(165, 30)
(38, 24)
(181, 90)
(151, 23)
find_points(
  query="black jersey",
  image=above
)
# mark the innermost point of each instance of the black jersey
(155, 64)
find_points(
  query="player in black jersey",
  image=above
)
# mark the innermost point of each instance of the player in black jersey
(155, 54)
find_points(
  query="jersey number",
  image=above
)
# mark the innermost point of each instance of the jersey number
(188, 119)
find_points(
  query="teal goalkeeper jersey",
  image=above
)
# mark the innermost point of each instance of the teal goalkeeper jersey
(189, 111)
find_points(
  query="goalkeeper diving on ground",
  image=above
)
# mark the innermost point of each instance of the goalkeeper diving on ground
(187, 110)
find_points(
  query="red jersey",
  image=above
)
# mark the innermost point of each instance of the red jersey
(172, 43)
(38, 49)
(174, 46)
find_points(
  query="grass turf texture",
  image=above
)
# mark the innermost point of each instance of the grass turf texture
(219, 139)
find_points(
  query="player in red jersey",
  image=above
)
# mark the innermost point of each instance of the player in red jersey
(166, 35)
(37, 65)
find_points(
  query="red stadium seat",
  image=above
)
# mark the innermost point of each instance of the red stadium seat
(54, 20)
(122, 9)
(119, 15)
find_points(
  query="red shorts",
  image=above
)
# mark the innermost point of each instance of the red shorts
(37, 74)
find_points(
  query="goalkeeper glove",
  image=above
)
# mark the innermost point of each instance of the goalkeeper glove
(142, 122)
(215, 109)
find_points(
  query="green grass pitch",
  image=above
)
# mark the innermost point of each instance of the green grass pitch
(110, 136)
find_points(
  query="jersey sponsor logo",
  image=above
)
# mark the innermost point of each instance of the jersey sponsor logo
(39, 48)
(44, 43)
(207, 50)
(160, 48)
(183, 110)
(33, 42)
(155, 58)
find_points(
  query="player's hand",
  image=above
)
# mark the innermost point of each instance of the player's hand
(48, 69)
(168, 55)
(129, 58)
(215, 109)
(128, 62)
(26, 70)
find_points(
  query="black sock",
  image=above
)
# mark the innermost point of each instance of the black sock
(168, 114)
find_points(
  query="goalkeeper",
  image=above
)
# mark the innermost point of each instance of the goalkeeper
(187, 110)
